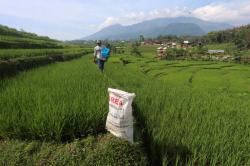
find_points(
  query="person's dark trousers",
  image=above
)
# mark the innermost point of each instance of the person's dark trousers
(101, 64)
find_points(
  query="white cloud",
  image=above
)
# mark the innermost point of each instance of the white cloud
(136, 17)
(245, 10)
(217, 12)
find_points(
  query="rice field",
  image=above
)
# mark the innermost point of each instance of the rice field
(58, 102)
(189, 112)
(91, 151)
(193, 113)
(6, 54)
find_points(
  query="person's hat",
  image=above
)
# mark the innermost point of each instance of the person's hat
(98, 42)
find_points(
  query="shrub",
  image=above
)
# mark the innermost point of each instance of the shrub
(135, 49)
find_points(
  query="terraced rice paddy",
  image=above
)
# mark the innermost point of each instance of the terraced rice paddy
(189, 113)
(6, 54)
(194, 113)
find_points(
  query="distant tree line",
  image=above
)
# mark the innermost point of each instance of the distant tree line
(175, 38)
(239, 36)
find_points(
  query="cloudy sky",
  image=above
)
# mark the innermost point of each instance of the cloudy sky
(73, 19)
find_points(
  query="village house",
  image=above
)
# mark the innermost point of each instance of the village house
(174, 45)
(186, 44)
(216, 51)
(161, 52)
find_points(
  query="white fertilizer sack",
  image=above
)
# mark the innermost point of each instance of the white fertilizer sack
(120, 119)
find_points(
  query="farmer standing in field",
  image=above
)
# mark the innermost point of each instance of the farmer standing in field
(101, 54)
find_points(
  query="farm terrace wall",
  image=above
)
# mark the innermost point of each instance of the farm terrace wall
(11, 67)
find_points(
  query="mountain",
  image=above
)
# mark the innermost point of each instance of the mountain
(160, 26)
(178, 29)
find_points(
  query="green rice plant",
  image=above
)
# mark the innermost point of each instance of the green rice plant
(6, 54)
(13, 42)
(101, 150)
(203, 122)
(190, 114)
(58, 102)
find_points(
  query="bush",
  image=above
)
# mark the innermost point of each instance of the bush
(135, 49)
(174, 53)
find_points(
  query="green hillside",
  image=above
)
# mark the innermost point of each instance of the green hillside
(22, 50)
(12, 38)
(240, 36)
